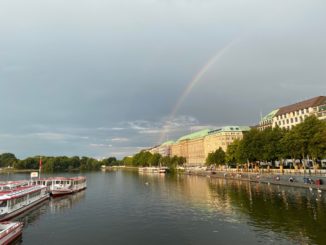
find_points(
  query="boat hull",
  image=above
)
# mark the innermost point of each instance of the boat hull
(59, 193)
(11, 234)
(15, 213)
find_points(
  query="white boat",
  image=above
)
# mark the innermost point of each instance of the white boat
(160, 170)
(10, 185)
(59, 186)
(10, 231)
(16, 201)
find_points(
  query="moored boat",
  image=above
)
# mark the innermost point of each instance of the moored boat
(160, 170)
(11, 185)
(16, 201)
(59, 186)
(10, 231)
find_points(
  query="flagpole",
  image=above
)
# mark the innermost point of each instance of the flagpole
(40, 168)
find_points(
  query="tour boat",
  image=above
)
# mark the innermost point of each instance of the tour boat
(10, 185)
(59, 186)
(16, 201)
(156, 170)
(10, 231)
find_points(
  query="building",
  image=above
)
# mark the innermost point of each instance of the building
(223, 137)
(195, 147)
(191, 147)
(165, 148)
(267, 121)
(291, 115)
(154, 149)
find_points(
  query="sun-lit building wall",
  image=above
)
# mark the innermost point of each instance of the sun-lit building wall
(289, 116)
(223, 137)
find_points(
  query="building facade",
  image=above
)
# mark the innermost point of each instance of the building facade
(223, 137)
(166, 148)
(195, 147)
(289, 116)
(267, 121)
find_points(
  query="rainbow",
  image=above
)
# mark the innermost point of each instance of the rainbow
(197, 78)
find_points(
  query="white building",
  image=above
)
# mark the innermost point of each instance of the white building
(291, 115)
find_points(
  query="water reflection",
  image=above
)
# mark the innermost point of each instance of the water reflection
(294, 212)
(59, 204)
(273, 212)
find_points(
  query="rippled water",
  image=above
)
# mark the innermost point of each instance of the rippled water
(127, 208)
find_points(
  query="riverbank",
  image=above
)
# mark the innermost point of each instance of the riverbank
(312, 181)
(12, 170)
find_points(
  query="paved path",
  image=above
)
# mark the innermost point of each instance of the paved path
(302, 181)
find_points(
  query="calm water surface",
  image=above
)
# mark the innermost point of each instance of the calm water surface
(127, 208)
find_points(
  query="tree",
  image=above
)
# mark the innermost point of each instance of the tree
(232, 152)
(7, 160)
(216, 157)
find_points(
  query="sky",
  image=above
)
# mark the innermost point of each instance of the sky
(104, 78)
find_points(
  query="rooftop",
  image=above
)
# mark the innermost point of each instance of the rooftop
(269, 116)
(230, 129)
(170, 142)
(195, 135)
(316, 101)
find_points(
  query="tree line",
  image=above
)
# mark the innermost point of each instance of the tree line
(306, 140)
(145, 158)
(52, 164)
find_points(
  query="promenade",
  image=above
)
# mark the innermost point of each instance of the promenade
(295, 178)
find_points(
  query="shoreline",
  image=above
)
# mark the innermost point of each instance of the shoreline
(298, 181)
(6, 170)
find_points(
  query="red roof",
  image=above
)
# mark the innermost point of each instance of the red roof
(316, 101)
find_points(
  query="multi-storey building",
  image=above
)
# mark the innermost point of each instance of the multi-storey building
(191, 147)
(291, 115)
(153, 150)
(195, 147)
(165, 148)
(267, 121)
(222, 137)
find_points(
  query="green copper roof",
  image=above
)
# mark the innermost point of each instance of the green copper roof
(170, 142)
(230, 129)
(269, 116)
(195, 135)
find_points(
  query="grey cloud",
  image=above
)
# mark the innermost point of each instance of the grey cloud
(75, 73)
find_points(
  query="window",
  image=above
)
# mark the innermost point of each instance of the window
(296, 119)
(291, 120)
(3, 203)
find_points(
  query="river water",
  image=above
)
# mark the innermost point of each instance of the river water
(124, 207)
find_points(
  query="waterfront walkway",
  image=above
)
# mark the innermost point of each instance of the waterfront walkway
(298, 179)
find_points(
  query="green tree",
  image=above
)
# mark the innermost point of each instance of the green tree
(7, 160)
(154, 160)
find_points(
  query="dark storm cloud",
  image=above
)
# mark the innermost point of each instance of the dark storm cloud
(101, 78)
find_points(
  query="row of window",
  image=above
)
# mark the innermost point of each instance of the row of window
(291, 120)
(294, 113)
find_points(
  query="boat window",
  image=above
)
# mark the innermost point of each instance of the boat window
(3, 203)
